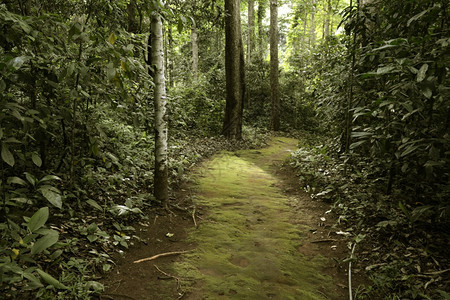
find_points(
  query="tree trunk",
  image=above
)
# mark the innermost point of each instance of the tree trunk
(261, 14)
(132, 22)
(159, 97)
(194, 52)
(251, 29)
(232, 126)
(170, 60)
(312, 28)
(326, 30)
(274, 84)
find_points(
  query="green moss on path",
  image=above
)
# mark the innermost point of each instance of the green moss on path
(246, 247)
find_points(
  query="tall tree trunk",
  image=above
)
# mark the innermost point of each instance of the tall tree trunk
(305, 24)
(251, 29)
(194, 41)
(326, 30)
(261, 40)
(232, 125)
(274, 84)
(312, 27)
(132, 21)
(169, 57)
(161, 165)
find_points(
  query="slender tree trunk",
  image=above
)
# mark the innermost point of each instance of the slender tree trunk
(261, 40)
(194, 41)
(326, 30)
(161, 165)
(232, 126)
(251, 29)
(132, 21)
(274, 84)
(312, 27)
(169, 57)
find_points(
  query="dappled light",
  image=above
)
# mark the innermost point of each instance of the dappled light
(224, 149)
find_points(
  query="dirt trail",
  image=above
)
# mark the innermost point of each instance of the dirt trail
(253, 242)
(247, 248)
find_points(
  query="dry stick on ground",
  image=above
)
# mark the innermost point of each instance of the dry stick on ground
(161, 255)
(324, 241)
(193, 217)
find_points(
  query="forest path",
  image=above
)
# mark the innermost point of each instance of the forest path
(255, 238)
(248, 247)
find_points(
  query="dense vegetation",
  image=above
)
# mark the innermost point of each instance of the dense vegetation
(77, 128)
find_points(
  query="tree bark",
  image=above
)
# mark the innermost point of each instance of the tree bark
(161, 165)
(232, 125)
(194, 41)
(274, 84)
(261, 14)
(251, 29)
(132, 22)
(326, 30)
(312, 27)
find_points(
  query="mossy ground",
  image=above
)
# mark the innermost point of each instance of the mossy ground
(246, 248)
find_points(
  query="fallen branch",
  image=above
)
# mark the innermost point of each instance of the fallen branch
(324, 241)
(111, 296)
(160, 255)
(193, 217)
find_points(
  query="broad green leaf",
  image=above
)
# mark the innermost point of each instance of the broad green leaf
(357, 144)
(36, 159)
(422, 72)
(384, 47)
(17, 62)
(7, 156)
(361, 134)
(49, 177)
(36, 282)
(92, 238)
(112, 38)
(416, 17)
(56, 254)
(44, 242)
(409, 150)
(427, 93)
(16, 180)
(385, 70)
(51, 280)
(38, 219)
(94, 204)
(53, 197)
(368, 75)
(31, 179)
(445, 295)
(95, 286)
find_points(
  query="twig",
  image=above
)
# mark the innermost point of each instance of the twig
(160, 255)
(324, 241)
(110, 296)
(350, 273)
(178, 280)
(437, 272)
(166, 274)
(193, 217)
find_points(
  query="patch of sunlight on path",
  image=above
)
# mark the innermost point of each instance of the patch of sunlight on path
(246, 247)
